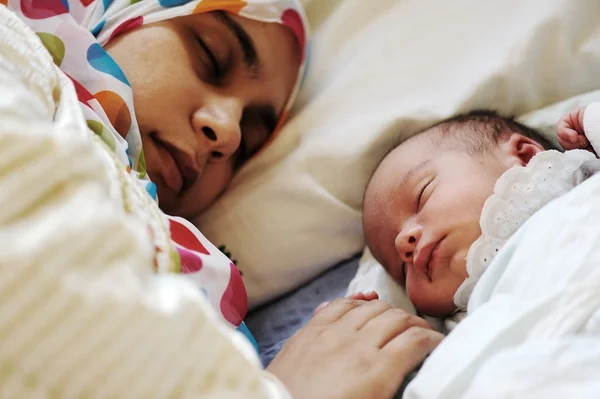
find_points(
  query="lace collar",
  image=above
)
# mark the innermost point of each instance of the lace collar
(518, 194)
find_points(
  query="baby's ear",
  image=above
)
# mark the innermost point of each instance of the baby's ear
(522, 148)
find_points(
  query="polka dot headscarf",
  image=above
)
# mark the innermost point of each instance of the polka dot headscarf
(75, 32)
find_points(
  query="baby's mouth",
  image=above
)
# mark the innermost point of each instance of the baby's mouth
(425, 260)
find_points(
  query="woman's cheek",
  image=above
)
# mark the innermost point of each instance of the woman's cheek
(210, 185)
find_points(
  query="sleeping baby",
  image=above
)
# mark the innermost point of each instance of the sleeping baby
(441, 205)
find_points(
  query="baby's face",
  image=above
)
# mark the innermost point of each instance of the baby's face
(421, 215)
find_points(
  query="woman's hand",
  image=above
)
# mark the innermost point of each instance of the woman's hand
(353, 349)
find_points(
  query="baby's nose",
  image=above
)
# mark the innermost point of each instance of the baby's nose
(406, 243)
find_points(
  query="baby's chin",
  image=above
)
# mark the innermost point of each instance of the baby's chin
(439, 311)
(439, 307)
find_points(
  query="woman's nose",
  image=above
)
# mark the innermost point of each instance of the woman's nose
(406, 242)
(218, 127)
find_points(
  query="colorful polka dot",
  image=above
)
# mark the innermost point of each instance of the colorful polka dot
(292, 19)
(172, 3)
(100, 60)
(103, 132)
(116, 110)
(127, 26)
(234, 303)
(184, 237)
(55, 47)
(151, 190)
(41, 9)
(83, 95)
(141, 165)
(190, 262)
(232, 6)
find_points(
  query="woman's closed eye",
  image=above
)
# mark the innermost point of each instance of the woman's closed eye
(215, 71)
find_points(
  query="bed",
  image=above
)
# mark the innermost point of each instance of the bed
(273, 323)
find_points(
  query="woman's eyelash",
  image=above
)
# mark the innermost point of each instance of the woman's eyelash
(214, 64)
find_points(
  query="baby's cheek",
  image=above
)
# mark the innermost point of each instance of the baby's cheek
(458, 270)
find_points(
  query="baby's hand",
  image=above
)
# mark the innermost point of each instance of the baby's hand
(570, 131)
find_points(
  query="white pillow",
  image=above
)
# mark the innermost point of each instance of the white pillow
(381, 70)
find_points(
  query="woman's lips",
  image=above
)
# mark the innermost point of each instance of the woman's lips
(169, 169)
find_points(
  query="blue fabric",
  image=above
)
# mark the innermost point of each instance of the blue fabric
(275, 322)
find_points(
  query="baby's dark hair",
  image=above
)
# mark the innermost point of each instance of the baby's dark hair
(489, 126)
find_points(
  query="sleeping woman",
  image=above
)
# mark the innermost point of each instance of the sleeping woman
(184, 94)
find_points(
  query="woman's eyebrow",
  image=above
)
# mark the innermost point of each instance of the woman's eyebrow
(246, 43)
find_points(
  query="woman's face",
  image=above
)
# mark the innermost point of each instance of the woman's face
(208, 92)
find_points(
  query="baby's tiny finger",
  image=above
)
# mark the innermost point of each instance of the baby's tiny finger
(362, 296)
(359, 296)
(566, 145)
(571, 135)
(583, 142)
(371, 296)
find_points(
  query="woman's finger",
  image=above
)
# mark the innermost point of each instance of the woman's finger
(391, 323)
(409, 349)
(334, 311)
(321, 306)
(359, 296)
(356, 318)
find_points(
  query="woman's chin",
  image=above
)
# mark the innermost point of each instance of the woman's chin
(166, 199)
